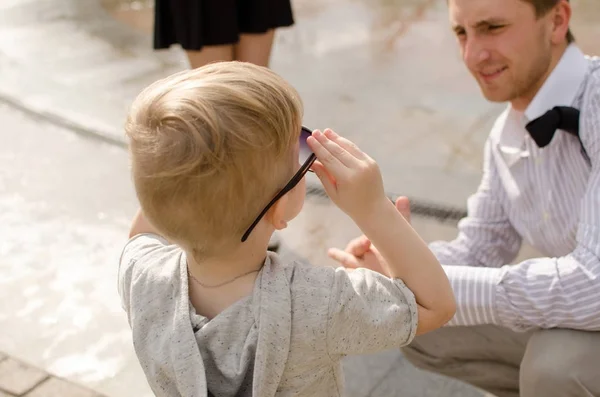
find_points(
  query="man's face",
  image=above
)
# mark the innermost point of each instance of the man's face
(505, 47)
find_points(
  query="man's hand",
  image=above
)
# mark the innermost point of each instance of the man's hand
(361, 253)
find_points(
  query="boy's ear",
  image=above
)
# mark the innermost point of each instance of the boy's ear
(276, 214)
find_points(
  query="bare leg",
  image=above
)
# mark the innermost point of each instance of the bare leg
(210, 54)
(255, 48)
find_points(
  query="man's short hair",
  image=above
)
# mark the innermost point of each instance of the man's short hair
(542, 7)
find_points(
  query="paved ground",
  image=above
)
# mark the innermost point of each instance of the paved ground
(361, 68)
(20, 379)
(72, 49)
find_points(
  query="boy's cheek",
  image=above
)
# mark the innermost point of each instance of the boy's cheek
(297, 201)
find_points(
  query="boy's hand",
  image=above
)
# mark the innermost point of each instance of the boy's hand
(361, 253)
(350, 177)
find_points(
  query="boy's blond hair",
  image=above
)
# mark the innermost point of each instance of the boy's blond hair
(210, 148)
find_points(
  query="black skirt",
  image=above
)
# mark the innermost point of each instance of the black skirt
(197, 23)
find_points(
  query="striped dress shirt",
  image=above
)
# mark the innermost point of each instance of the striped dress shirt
(549, 197)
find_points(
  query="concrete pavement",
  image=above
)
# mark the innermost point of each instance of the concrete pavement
(69, 61)
(18, 379)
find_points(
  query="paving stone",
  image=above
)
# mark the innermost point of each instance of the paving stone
(55, 387)
(17, 378)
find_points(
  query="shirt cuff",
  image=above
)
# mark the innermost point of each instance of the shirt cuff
(475, 292)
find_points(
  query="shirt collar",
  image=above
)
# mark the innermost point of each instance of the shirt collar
(559, 89)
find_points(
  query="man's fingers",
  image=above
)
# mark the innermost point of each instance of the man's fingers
(346, 259)
(403, 206)
(359, 246)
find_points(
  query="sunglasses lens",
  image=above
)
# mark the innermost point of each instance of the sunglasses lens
(305, 151)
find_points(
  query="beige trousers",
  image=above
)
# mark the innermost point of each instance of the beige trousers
(545, 363)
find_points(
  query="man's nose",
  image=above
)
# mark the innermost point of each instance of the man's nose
(475, 51)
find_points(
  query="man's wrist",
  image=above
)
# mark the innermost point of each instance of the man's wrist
(475, 292)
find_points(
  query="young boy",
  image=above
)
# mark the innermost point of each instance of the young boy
(218, 163)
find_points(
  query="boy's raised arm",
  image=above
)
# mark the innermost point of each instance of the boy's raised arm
(354, 183)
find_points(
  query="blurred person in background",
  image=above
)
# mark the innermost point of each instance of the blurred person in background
(221, 30)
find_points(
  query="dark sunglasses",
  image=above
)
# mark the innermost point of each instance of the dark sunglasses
(307, 158)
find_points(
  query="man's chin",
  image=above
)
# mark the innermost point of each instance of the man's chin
(495, 96)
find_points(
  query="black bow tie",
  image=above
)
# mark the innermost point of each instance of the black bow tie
(563, 118)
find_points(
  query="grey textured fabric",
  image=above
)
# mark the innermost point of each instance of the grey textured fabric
(286, 339)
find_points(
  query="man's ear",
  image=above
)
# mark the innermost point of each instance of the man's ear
(561, 19)
(276, 214)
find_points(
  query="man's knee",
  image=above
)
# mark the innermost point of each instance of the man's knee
(428, 351)
(448, 347)
(560, 363)
(542, 376)
(484, 356)
(421, 359)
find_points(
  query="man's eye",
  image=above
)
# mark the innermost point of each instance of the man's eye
(495, 27)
